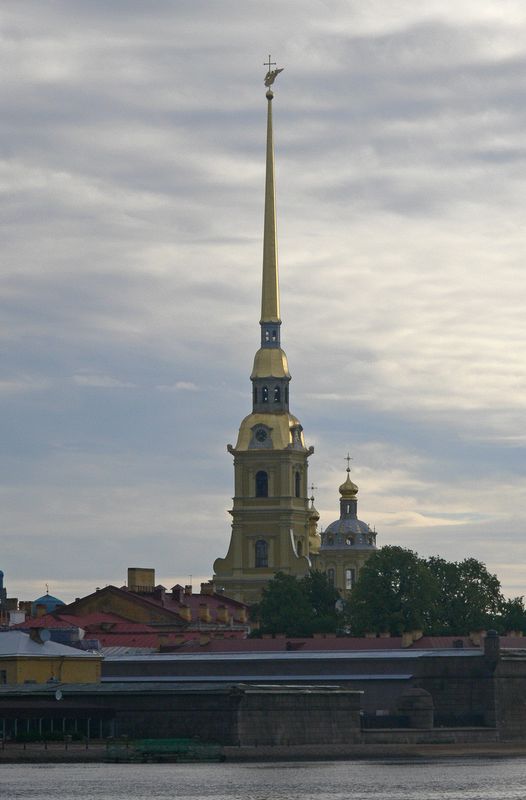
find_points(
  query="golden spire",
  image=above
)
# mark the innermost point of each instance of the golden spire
(270, 285)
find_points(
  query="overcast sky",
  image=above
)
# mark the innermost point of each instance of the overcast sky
(132, 144)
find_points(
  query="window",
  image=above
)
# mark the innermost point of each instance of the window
(297, 484)
(349, 541)
(274, 335)
(264, 394)
(261, 553)
(330, 576)
(261, 484)
(348, 508)
(267, 335)
(277, 394)
(349, 578)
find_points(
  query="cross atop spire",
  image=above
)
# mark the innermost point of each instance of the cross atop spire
(269, 63)
(348, 459)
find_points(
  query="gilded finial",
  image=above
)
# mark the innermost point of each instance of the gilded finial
(348, 459)
(272, 74)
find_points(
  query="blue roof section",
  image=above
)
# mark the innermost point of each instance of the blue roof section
(49, 602)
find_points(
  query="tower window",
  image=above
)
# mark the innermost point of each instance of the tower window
(348, 508)
(349, 579)
(261, 483)
(277, 394)
(330, 576)
(264, 394)
(261, 553)
(267, 335)
(274, 335)
(297, 484)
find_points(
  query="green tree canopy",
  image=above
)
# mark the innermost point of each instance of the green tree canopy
(469, 596)
(395, 592)
(298, 607)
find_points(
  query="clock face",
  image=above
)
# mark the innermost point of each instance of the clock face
(261, 434)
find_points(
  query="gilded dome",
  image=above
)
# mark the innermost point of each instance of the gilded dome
(348, 489)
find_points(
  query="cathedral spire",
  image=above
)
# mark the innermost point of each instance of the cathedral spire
(270, 313)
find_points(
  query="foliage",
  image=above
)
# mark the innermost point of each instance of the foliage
(395, 592)
(298, 607)
(469, 597)
(513, 615)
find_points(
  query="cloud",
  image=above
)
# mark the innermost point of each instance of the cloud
(132, 202)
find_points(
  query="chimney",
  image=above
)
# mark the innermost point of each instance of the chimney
(204, 613)
(207, 588)
(185, 612)
(407, 638)
(178, 593)
(188, 590)
(141, 580)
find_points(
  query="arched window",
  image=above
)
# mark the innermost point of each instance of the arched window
(277, 394)
(267, 335)
(330, 576)
(261, 483)
(255, 394)
(297, 484)
(274, 335)
(264, 394)
(299, 547)
(349, 579)
(349, 541)
(261, 553)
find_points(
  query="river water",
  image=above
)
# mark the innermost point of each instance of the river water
(441, 779)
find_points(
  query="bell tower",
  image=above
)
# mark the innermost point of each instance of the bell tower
(270, 514)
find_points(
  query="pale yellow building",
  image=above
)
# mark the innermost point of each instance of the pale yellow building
(33, 658)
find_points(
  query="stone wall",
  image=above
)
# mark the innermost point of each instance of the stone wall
(294, 716)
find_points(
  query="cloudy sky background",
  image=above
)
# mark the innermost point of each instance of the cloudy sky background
(132, 144)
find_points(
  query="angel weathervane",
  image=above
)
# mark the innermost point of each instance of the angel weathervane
(272, 74)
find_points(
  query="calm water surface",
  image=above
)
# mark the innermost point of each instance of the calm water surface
(449, 779)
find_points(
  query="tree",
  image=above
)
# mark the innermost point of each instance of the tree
(298, 607)
(512, 616)
(395, 592)
(469, 596)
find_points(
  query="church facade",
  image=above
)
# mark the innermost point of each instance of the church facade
(273, 527)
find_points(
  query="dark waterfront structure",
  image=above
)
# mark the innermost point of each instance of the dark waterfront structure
(296, 695)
